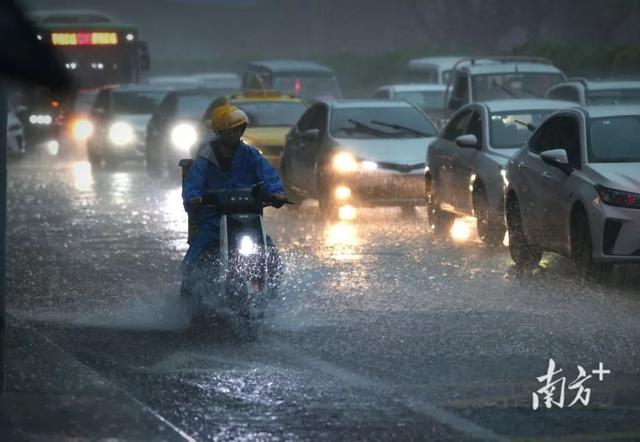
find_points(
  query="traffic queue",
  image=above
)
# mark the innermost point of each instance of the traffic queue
(510, 141)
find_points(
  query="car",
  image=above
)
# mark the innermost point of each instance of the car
(304, 79)
(174, 130)
(271, 115)
(466, 162)
(591, 93)
(428, 97)
(175, 81)
(574, 189)
(221, 80)
(119, 116)
(500, 77)
(433, 70)
(15, 135)
(358, 153)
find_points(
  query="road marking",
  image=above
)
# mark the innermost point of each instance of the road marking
(419, 406)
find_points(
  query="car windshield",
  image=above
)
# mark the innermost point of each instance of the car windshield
(272, 113)
(509, 130)
(614, 140)
(381, 122)
(192, 106)
(513, 85)
(320, 88)
(138, 102)
(614, 96)
(426, 100)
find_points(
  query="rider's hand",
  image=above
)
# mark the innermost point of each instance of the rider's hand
(278, 200)
(195, 201)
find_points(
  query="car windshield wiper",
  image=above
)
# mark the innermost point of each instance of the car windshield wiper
(504, 89)
(361, 127)
(404, 128)
(529, 126)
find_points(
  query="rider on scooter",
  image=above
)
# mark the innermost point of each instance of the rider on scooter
(224, 163)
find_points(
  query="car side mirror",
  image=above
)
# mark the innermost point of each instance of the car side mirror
(311, 134)
(455, 103)
(468, 141)
(557, 158)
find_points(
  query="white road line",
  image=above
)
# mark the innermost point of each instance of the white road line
(417, 405)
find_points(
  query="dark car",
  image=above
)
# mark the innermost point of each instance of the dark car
(358, 153)
(175, 127)
(120, 115)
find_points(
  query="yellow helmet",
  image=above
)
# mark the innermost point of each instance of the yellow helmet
(228, 116)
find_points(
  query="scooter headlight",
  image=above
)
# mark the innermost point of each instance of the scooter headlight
(121, 133)
(247, 245)
(184, 136)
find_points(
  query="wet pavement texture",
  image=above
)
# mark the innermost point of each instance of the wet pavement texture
(381, 332)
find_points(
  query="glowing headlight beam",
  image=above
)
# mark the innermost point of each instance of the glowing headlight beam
(184, 136)
(121, 133)
(247, 246)
(345, 162)
(82, 129)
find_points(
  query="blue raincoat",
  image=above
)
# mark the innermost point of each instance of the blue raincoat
(247, 168)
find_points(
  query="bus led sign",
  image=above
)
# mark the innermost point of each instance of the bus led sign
(84, 38)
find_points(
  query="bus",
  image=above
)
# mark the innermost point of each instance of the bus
(96, 49)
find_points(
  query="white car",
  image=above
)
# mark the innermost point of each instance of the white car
(499, 78)
(428, 97)
(435, 70)
(219, 80)
(466, 163)
(592, 93)
(574, 189)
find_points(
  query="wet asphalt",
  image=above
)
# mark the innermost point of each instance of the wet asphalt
(380, 332)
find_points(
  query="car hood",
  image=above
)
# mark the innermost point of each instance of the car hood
(619, 176)
(408, 151)
(267, 136)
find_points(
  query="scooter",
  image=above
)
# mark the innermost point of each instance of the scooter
(237, 282)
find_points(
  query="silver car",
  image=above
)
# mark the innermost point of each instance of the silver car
(358, 153)
(466, 175)
(574, 189)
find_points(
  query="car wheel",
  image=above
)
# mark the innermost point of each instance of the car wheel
(523, 254)
(582, 250)
(440, 221)
(490, 227)
(112, 162)
(154, 166)
(94, 158)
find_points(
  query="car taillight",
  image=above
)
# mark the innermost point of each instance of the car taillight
(619, 198)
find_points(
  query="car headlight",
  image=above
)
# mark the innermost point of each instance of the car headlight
(121, 133)
(346, 162)
(619, 198)
(82, 129)
(247, 245)
(184, 136)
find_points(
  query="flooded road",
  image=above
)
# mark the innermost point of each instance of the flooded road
(380, 332)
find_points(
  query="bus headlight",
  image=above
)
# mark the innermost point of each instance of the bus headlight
(121, 133)
(184, 136)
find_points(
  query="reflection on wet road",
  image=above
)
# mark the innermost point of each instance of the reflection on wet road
(379, 333)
